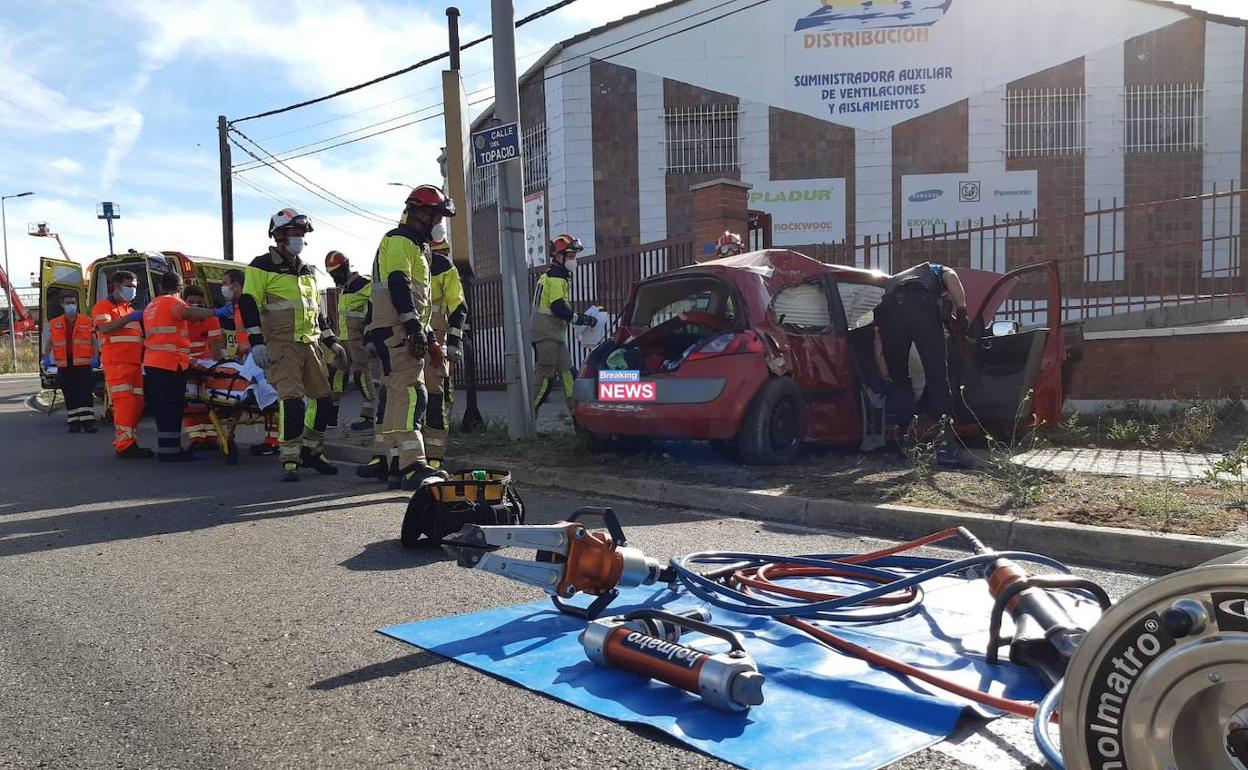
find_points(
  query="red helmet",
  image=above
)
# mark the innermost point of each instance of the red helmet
(289, 219)
(335, 260)
(729, 244)
(429, 197)
(565, 243)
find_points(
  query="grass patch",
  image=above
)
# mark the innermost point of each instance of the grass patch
(1198, 508)
(1191, 426)
(27, 356)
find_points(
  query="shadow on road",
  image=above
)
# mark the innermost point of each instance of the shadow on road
(396, 667)
(391, 555)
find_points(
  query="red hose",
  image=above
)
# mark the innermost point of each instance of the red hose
(762, 579)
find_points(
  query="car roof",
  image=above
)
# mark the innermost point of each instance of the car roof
(783, 266)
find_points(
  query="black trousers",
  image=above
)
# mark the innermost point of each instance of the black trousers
(165, 392)
(75, 383)
(913, 318)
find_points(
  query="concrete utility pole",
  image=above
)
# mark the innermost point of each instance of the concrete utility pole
(227, 187)
(517, 333)
(12, 291)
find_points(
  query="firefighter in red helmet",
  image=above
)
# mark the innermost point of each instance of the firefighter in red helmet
(552, 312)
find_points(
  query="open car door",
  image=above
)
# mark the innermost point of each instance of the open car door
(1011, 371)
(58, 278)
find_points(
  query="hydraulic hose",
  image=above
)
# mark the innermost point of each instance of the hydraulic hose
(1040, 728)
(893, 588)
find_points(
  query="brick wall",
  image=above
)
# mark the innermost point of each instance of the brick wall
(1189, 366)
(1159, 252)
(679, 199)
(617, 208)
(803, 147)
(936, 143)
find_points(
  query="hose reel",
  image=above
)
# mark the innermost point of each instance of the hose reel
(1161, 682)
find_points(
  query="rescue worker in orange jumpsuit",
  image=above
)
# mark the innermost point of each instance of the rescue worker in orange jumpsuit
(119, 329)
(206, 344)
(71, 346)
(166, 361)
(231, 289)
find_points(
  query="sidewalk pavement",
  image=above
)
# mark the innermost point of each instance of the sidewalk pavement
(1143, 463)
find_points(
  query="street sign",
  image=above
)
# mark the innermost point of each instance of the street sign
(496, 145)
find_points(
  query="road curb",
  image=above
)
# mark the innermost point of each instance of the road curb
(1111, 547)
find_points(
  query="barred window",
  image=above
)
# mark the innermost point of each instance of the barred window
(1165, 118)
(533, 140)
(1045, 122)
(702, 139)
(484, 186)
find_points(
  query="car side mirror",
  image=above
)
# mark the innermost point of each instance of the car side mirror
(1004, 328)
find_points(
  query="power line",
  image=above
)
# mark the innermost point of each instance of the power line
(275, 197)
(360, 209)
(424, 62)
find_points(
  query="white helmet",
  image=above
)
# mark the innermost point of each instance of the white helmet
(289, 218)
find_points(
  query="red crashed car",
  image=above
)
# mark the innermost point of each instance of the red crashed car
(761, 352)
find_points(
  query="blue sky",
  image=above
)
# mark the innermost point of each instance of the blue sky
(119, 101)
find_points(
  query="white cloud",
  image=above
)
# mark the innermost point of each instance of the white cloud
(66, 166)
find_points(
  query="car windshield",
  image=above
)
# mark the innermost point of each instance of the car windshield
(859, 301)
(662, 301)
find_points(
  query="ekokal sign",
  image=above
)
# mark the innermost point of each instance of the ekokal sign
(496, 145)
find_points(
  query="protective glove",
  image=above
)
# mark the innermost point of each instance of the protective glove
(960, 325)
(260, 354)
(225, 312)
(342, 361)
(454, 353)
(135, 315)
(47, 361)
(95, 361)
(585, 320)
(417, 345)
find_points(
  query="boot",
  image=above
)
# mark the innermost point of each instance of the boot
(75, 428)
(363, 424)
(136, 452)
(89, 427)
(418, 474)
(393, 477)
(265, 450)
(376, 468)
(317, 462)
(290, 471)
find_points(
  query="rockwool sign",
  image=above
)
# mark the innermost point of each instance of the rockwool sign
(870, 64)
(803, 211)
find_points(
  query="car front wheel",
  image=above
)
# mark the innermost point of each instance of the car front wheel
(772, 431)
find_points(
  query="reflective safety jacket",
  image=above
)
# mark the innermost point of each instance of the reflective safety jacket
(401, 281)
(168, 344)
(551, 309)
(446, 294)
(120, 346)
(353, 301)
(202, 335)
(71, 341)
(281, 300)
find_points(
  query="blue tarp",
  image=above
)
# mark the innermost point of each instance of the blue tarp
(823, 709)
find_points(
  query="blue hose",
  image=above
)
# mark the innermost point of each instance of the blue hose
(1040, 728)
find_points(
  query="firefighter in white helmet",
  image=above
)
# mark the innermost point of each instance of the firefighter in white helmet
(729, 245)
(280, 306)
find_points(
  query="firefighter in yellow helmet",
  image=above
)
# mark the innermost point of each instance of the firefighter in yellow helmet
(354, 301)
(729, 245)
(400, 336)
(552, 312)
(450, 312)
(280, 306)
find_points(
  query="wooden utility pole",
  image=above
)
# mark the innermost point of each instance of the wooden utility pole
(227, 187)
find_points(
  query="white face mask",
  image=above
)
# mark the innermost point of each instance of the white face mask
(438, 233)
(227, 292)
(570, 264)
(128, 293)
(294, 246)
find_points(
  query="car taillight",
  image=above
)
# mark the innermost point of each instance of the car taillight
(726, 344)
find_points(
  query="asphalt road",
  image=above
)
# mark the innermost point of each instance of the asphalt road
(202, 616)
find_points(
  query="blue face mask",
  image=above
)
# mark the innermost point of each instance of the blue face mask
(71, 310)
(128, 292)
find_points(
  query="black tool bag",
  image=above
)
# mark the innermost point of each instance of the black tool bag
(470, 497)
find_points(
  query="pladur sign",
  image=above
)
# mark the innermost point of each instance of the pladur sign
(868, 65)
(938, 202)
(802, 211)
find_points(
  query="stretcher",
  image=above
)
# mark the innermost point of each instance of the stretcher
(234, 394)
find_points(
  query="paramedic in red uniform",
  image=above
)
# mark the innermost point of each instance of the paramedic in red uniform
(166, 360)
(71, 346)
(206, 344)
(119, 329)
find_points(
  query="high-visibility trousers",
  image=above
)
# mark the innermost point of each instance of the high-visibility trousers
(438, 412)
(124, 383)
(401, 432)
(197, 426)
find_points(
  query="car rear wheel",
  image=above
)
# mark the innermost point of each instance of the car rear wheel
(772, 431)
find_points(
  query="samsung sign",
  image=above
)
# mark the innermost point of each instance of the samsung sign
(926, 195)
(803, 211)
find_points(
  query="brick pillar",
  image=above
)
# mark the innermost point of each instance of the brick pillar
(718, 205)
